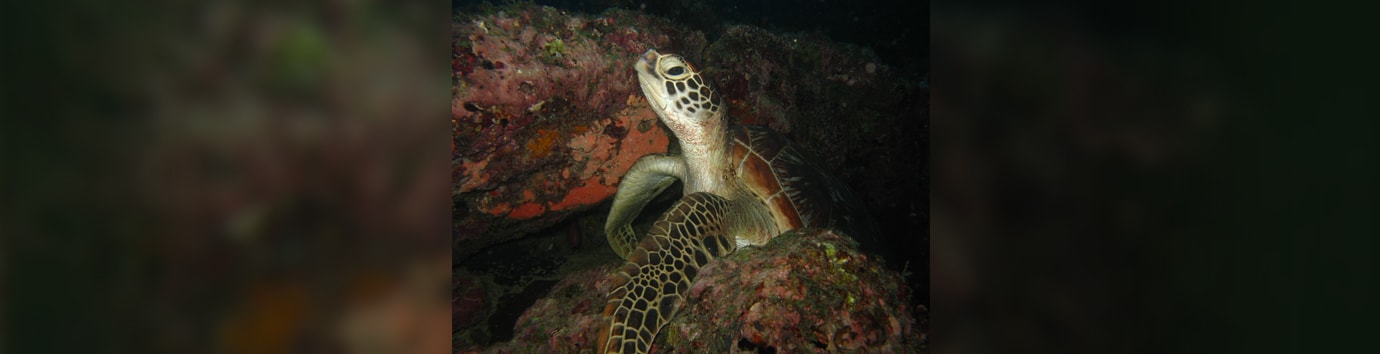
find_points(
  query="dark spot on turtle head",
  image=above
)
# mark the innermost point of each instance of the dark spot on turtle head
(694, 83)
(691, 109)
(680, 86)
(670, 89)
(694, 95)
(685, 100)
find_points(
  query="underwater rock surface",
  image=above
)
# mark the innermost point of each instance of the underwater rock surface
(805, 291)
(547, 115)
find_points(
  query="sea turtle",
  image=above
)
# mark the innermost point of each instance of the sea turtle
(743, 185)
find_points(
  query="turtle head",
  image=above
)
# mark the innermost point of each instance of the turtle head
(679, 95)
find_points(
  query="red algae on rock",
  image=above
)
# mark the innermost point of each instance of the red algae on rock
(540, 145)
(805, 291)
(527, 211)
(531, 84)
(598, 160)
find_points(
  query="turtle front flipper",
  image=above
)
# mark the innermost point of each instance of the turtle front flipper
(652, 284)
(647, 178)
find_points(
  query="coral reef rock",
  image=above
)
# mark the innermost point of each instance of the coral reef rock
(546, 115)
(806, 291)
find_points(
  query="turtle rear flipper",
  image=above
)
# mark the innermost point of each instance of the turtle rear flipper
(652, 284)
(647, 178)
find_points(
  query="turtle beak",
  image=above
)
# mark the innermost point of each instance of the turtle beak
(648, 61)
(649, 80)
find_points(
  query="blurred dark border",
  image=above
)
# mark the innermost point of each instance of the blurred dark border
(1154, 176)
(223, 176)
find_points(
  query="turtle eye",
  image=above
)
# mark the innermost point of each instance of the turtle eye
(676, 71)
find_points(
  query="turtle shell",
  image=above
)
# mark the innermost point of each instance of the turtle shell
(797, 189)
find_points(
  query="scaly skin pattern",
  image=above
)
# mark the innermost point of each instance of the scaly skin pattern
(743, 186)
(658, 273)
